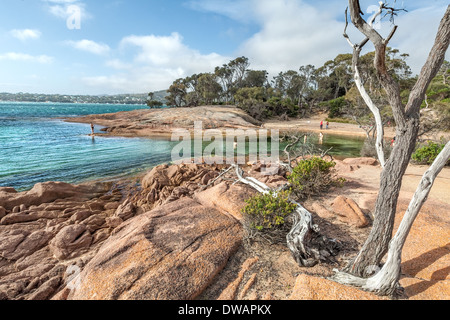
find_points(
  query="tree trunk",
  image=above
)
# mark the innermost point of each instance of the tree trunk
(407, 119)
(386, 281)
(377, 243)
(379, 144)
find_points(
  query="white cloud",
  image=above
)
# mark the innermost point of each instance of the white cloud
(416, 34)
(157, 62)
(117, 64)
(25, 34)
(298, 32)
(292, 34)
(90, 46)
(64, 8)
(14, 56)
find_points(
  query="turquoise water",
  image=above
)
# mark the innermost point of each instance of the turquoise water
(37, 146)
(342, 146)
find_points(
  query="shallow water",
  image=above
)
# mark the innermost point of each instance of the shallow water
(37, 146)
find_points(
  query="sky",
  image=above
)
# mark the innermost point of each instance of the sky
(97, 47)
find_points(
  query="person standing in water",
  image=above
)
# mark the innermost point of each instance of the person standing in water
(321, 138)
(92, 128)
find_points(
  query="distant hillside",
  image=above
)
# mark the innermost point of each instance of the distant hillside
(132, 98)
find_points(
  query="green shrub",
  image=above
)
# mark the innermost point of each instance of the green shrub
(341, 120)
(335, 106)
(426, 154)
(267, 212)
(312, 176)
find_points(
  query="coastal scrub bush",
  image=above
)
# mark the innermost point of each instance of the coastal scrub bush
(335, 106)
(313, 176)
(426, 154)
(253, 101)
(266, 214)
(281, 106)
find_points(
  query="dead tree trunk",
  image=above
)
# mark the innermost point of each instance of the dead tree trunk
(385, 282)
(407, 119)
(307, 245)
(379, 144)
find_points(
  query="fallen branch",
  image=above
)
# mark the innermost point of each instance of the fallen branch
(305, 242)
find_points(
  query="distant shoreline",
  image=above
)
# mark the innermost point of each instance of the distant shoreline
(124, 98)
(80, 103)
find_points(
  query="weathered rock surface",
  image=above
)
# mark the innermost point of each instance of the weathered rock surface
(172, 252)
(39, 240)
(361, 161)
(314, 288)
(47, 192)
(170, 236)
(225, 198)
(165, 184)
(426, 255)
(157, 122)
(230, 291)
(425, 260)
(57, 226)
(349, 212)
(71, 241)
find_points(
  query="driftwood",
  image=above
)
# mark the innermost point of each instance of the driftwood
(307, 245)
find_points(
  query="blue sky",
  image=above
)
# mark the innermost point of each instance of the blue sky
(136, 46)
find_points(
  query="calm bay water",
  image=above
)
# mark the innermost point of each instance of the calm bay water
(36, 146)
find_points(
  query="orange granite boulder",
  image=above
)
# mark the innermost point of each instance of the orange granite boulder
(170, 253)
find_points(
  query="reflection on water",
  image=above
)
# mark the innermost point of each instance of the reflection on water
(343, 146)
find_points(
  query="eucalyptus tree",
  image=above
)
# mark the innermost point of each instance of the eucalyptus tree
(256, 78)
(208, 88)
(407, 120)
(177, 93)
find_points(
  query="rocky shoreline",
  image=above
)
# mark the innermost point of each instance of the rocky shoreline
(159, 123)
(177, 235)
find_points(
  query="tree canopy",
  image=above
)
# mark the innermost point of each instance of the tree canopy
(329, 88)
